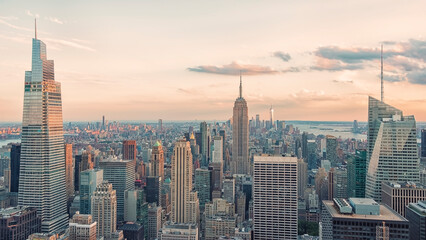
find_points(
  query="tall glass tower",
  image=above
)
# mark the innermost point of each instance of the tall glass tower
(392, 147)
(42, 171)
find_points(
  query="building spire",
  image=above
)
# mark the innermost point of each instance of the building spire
(241, 86)
(381, 74)
(35, 27)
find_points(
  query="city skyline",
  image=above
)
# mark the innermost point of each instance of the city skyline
(191, 53)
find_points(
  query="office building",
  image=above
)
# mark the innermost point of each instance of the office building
(181, 184)
(178, 231)
(82, 227)
(398, 195)
(153, 189)
(135, 207)
(204, 130)
(15, 160)
(89, 179)
(129, 150)
(104, 209)
(19, 222)
(275, 197)
(360, 218)
(222, 133)
(302, 178)
(133, 231)
(240, 136)
(357, 168)
(216, 169)
(331, 182)
(121, 174)
(229, 189)
(217, 152)
(423, 143)
(392, 147)
(331, 149)
(42, 168)
(69, 168)
(340, 183)
(157, 161)
(416, 216)
(83, 162)
(154, 221)
(312, 154)
(202, 185)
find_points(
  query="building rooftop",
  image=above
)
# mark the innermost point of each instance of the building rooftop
(386, 214)
(363, 201)
(419, 208)
(404, 185)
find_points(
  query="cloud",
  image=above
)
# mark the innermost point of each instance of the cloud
(8, 18)
(29, 13)
(282, 55)
(326, 64)
(2, 21)
(234, 68)
(417, 77)
(61, 42)
(348, 55)
(54, 20)
(312, 95)
(343, 81)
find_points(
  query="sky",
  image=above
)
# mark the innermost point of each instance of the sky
(180, 60)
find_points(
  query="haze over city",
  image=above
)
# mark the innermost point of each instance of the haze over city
(133, 60)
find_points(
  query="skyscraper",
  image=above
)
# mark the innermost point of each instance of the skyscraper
(104, 209)
(392, 147)
(423, 153)
(42, 170)
(275, 197)
(240, 134)
(204, 143)
(202, 184)
(331, 149)
(69, 171)
(181, 185)
(129, 150)
(357, 168)
(90, 179)
(121, 174)
(157, 161)
(271, 117)
(15, 162)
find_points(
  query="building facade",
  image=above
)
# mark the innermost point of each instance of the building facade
(89, 180)
(416, 215)
(275, 197)
(240, 136)
(398, 195)
(19, 222)
(42, 168)
(104, 209)
(82, 227)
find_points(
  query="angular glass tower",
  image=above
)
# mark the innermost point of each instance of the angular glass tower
(42, 171)
(392, 147)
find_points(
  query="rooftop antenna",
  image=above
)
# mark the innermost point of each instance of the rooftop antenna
(35, 27)
(381, 74)
(241, 86)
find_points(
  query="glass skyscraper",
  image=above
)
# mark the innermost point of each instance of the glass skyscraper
(42, 170)
(392, 147)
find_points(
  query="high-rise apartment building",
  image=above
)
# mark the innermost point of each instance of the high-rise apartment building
(129, 150)
(181, 184)
(104, 209)
(157, 161)
(416, 216)
(69, 167)
(423, 143)
(42, 168)
(89, 180)
(397, 195)
(19, 222)
(240, 136)
(275, 197)
(392, 147)
(82, 227)
(15, 162)
(121, 174)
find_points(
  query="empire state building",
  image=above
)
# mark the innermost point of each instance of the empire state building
(240, 134)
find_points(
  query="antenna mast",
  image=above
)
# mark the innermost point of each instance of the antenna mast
(35, 27)
(381, 74)
(241, 86)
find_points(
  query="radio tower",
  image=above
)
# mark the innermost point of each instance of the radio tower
(381, 74)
